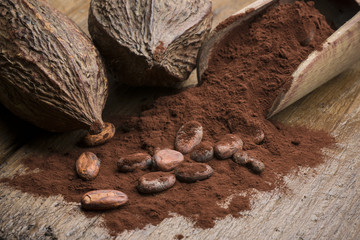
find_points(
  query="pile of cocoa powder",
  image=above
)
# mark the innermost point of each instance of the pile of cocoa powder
(245, 75)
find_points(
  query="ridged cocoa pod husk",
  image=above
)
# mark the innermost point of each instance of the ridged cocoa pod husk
(150, 42)
(51, 73)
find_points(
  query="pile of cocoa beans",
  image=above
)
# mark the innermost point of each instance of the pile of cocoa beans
(167, 165)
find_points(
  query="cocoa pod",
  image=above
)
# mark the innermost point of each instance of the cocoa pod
(150, 42)
(88, 166)
(51, 74)
(105, 135)
(103, 199)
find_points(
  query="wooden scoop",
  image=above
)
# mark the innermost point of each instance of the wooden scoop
(339, 51)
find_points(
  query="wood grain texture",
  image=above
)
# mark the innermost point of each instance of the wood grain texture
(321, 203)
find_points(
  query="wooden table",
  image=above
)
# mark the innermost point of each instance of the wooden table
(322, 203)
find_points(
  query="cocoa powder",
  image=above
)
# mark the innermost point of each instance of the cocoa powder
(245, 74)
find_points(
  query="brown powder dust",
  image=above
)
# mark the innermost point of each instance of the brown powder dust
(247, 72)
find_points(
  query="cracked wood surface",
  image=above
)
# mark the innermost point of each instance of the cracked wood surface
(321, 203)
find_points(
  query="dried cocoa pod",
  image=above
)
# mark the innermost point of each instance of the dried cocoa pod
(88, 166)
(150, 42)
(51, 74)
(103, 199)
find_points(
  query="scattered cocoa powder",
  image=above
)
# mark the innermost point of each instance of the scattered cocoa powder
(185, 168)
(134, 158)
(247, 72)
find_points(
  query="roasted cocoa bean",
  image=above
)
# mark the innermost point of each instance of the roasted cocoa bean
(103, 199)
(134, 161)
(306, 36)
(192, 172)
(167, 159)
(105, 135)
(256, 166)
(204, 152)
(88, 166)
(189, 135)
(51, 73)
(227, 146)
(241, 158)
(156, 182)
(259, 136)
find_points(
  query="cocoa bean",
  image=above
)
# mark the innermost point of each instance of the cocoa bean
(192, 172)
(167, 159)
(241, 158)
(204, 152)
(150, 42)
(189, 135)
(306, 36)
(88, 166)
(105, 135)
(51, 73)
(227, 146)
(256, 166)
(103, 199)
(259, 136)
(134, 161)
(156, 182)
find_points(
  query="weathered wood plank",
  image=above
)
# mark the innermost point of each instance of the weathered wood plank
(321, 203)
(14, 133)
(77, 10)
(8, 142)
